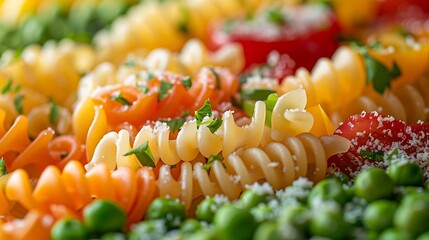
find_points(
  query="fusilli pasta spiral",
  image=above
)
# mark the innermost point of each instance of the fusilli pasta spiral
(288, 118)
(168, 24)
(339, 86)
(73, 189)
(404, 102)
(143, 99)
(21, 152)
(279, 163)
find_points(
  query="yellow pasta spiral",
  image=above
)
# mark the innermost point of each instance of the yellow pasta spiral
(168, 24)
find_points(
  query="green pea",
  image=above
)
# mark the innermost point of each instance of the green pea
(328, 190)
(373, 184)
(148, 229)
(413, 214)
(330, 224)
(379, 215)
(102, 216)
(171, 211)
(394, 234)
(206, 209)
(426, 186)
(202, 234)
(289, 232)
(342, 177)
(267, 231)
(403, 191)
(113, 236)
(406, 174)
(250, 199)
(190, 226)
(372, 235)
(423, 236)
(263, 212)
(69, 229)
(233, 223)
(295, 215)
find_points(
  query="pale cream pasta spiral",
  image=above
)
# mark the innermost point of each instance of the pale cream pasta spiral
(288, 119)
(405, 102)
(278, 163)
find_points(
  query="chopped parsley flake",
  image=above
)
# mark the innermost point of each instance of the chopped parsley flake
(142, 88)
(18, 103)
(54, 112)
(214, 125)
(175, 124)
(164, 90)
(3, 169)
(120, 99)
(143, 154)
(217, 78)
(255, 94)
(374, 156)
(187, 82)
(130, 63)
(211, 160)
(275, 15)
(204, 111)
(376, 72)
(6, 87)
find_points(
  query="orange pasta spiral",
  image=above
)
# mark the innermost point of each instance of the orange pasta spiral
(46, 149)
(216, 84)
(279, 163)
(73, 188)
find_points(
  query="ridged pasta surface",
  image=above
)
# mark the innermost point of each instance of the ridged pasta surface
(288, 118)
(278, 163)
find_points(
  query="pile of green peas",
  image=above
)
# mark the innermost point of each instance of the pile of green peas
(390, 203)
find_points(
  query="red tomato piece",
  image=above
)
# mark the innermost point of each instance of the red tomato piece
(372, 132)
(305, 33)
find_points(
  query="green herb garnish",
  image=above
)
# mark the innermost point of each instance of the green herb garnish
(6, 87)
(120, 99)
(187, 82)
(204, 111)
(255, 94)
(211, 160)
(374, 156)
(142, 88)
(150, 76)
(214, 125)
(130, 63)
(143, 154)
(54, 112)
(18, 103)
(175, 124)
(376, 72)
(64, 155)
(3, 169)
(394, 153)
(275, 15)
(163, 90)
(270, 102)
(217, 78)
